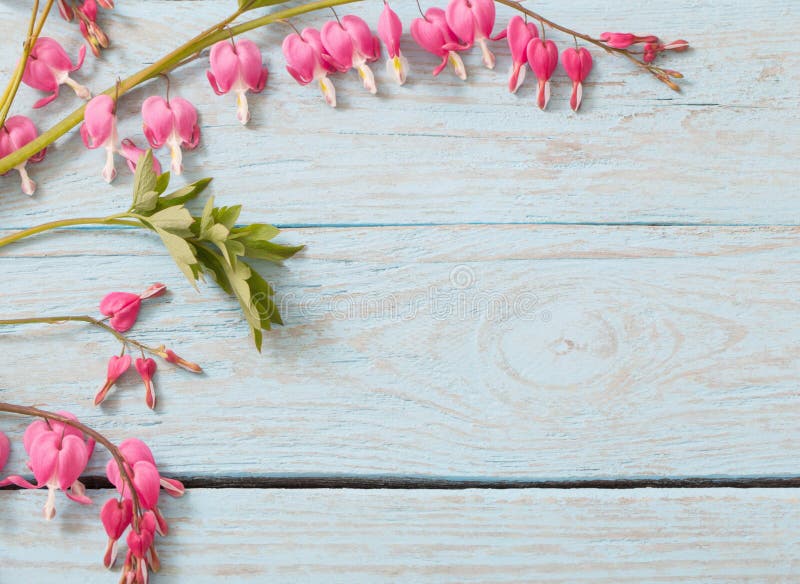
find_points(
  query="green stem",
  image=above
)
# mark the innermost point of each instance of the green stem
(87, 319)
(112, 220)
(167, 63)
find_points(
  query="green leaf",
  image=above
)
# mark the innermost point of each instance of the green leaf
(162, 182)
(146, 203)
(182, 253)
(175, 219)
(183, 194)
(227, 216)
(144, 179)
(255, 232)
(207, 218)
(262, 294)
(246, 5)
(213, 263)
(272, 252)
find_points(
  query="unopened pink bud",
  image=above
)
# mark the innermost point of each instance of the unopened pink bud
(147, 368)
(153, 291)
(171, 357)
(116, 367)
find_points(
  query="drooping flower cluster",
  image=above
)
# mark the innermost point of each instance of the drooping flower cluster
(117, 515)
(121, 310)
(86, 13)
(59, 451)
(345, 44)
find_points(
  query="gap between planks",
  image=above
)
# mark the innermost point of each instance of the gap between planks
(444, 484)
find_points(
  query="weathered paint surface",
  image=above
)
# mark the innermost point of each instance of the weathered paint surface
(484, 295)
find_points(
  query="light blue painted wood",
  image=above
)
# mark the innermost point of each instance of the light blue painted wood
(428, 536)
(622, 352)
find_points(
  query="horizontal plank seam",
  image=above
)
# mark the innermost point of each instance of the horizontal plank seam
(93, 228)
(435, 483)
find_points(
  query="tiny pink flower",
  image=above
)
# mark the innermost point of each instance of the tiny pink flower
(351, 44)
(116, 517)
(116, 367)
(172, 123)
(578, 65)
(5, 450)
(91, 31)
(16, 133)
(519, 35)
(147, 368)
(131, 153)
(99, 130)
(237, 67)
(623, 40)
(49, 66)
(473, 21)
(58, 455)
(390, 29)
(543, 59)
(306, 61)
(433, 34)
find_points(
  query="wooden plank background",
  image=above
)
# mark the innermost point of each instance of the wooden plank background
(489, 293)
(717, 535)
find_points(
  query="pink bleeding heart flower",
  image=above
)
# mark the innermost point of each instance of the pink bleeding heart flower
(390, 29)
(433, 34)
(237, 67)
(473, 21)
(306, 62)
(146, 369)
(141, 557)
(116, 367)
(623, 40)
(116, 516)
(49, 66)
(99, 130)
(58, 455)
(147, 481)
(132, 153)
(578, 65)
(172, 123)
(123, 307)
(351, 44)
(543, 59)
(16, 133)
(91, 31)
(5, 450)
(519, 34)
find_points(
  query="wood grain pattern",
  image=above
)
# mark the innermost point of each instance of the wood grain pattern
(441, 151)
(423, 536)
(545, 352)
